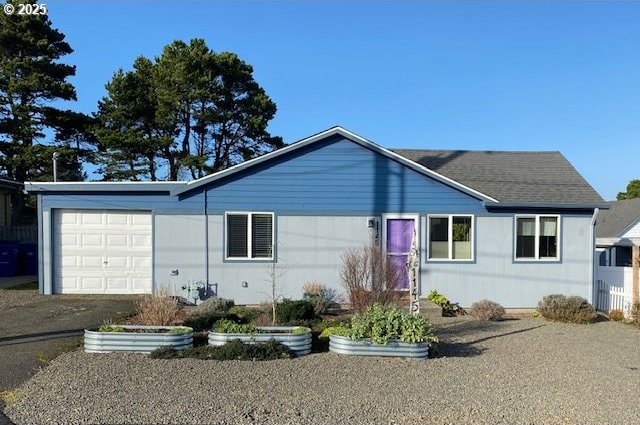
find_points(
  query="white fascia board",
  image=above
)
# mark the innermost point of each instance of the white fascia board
(324, 134)
(102, 186)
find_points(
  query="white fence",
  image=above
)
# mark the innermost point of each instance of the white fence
(614, 289)
(19, 233)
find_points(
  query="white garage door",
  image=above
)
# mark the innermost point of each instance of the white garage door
(102, 252)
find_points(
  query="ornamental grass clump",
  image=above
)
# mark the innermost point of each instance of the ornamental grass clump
(573, 309)
(383, 324)
(157, 309)
(487, 310)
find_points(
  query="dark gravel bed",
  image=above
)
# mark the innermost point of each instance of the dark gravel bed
(525, 371)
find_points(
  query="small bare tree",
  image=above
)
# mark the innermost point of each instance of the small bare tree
(369, 277)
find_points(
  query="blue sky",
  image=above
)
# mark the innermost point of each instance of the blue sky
(498, 75)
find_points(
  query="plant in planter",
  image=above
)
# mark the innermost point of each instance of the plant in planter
(381, 331)
(449, 309)
(155, 314)
(297, 338)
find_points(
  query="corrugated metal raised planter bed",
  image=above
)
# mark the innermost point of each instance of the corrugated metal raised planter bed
(364, 347)
(136, 339)
(299, 343)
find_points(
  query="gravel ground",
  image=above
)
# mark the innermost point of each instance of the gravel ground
(525, 371)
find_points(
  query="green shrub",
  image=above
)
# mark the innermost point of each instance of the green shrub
(213, 306)
(321, 297)
(382, 324)
(233, 350)
(165, 353)
(204, 322)
(487, 310)
(301, 330)
(616, 315)
(247, 314)
(295, 311)
(271, 350)
(571, 309)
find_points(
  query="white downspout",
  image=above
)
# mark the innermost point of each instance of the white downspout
(594, 284)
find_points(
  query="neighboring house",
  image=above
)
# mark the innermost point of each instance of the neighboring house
(617, 230)
(506, 226)
(7, 188)
(617, 235)
(15, 226)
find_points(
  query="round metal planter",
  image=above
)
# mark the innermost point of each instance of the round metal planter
(364, 347)
(299, 343)
(136, 342)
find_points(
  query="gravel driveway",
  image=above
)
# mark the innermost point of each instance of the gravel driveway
(526, 371)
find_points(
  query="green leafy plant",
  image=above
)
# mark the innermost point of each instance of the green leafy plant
(487, 310)
(571, 309)
(181, 330)
(449, 309)
(204, 322)
(111, 328)
(227, 326)
(335, 330)
(382, 324)
(535, 313)
(301, 330)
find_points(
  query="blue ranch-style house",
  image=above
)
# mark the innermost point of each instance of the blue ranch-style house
(506, 226)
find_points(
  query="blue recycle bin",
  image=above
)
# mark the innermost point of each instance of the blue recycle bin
(29, 258)
(9, 257)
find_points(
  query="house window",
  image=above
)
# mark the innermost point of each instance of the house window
(450, 237)
(249, 235)
(623, 256)
(537, 237)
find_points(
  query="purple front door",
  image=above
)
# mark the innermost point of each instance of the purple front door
(399, 237)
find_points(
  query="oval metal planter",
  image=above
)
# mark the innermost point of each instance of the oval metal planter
(299, 343)
(364, 347)
(132, 342)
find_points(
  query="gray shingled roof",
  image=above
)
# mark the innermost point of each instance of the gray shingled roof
(536, 177)
(610, 223)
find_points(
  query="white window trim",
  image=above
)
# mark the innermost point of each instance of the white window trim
(450, 238)
(249, 235)
(537, 258)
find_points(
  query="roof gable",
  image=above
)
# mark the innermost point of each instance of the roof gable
(334, 131)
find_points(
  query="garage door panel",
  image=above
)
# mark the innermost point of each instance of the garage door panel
(140, 240)
(102, 252)
(90, 241)
(92, 218)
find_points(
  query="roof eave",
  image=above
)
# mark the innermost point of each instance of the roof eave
(545, 205)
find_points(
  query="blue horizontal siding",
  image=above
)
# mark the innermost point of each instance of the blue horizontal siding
(335, 175)
(156, 202)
